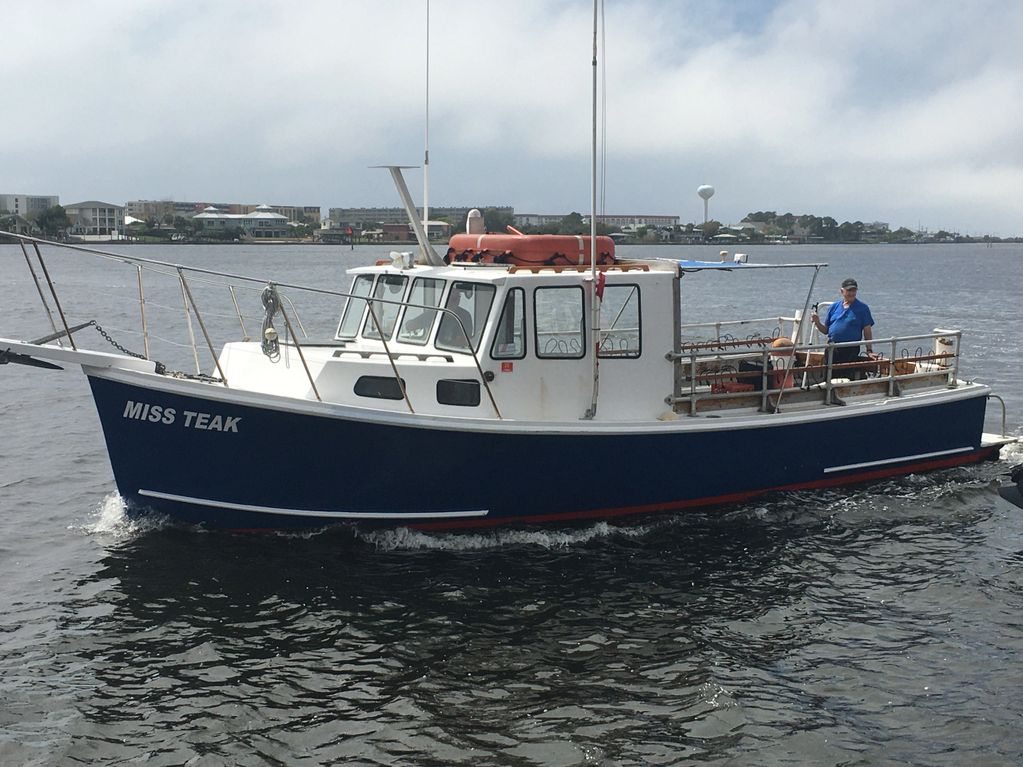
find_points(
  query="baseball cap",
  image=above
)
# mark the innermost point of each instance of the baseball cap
(849, 282)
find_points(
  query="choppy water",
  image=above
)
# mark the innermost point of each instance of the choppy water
(879, 625)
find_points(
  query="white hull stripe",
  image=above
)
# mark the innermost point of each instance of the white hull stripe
(897, 460)
(309, 513)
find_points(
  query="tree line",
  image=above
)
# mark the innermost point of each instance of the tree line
(827, 229)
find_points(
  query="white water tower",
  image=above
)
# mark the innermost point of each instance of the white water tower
(706, 192)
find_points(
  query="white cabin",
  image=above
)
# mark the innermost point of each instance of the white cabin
(528, 328)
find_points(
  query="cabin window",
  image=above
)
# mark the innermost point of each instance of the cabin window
(380, 387)
(352, 317)
(417, 321)
(460, 393)
(510, 338)
(390, 288)
(560, 332)
(620, 336)
(470, 303)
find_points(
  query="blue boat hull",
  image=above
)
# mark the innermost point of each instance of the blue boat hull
(230, 465)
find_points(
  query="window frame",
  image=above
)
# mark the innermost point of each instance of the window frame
(479, 324)
(510, 296)
(353, 297)
(368, 326)
(538, 349)
(378, 380)
(454, 383)
(436, 310)
(639, 316)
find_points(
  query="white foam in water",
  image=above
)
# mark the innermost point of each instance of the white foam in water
(1012, 453)
(111, 520)
(405, 539)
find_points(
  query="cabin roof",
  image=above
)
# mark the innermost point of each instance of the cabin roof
(499, 273)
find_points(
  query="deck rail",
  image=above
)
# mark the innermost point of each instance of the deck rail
(758, 372)
(230, 282)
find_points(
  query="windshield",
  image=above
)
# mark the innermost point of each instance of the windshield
(352, 317)
(469, 303)
(391, 288)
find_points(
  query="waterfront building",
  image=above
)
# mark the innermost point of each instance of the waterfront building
(376, 218)
(26, 205)
(635, 220)
(626, 222)
(158, 210)
(261, 223)
(12, 222)
(435, 230)
(298, 214)
(538, 219)
(95, 219)
(692, 237)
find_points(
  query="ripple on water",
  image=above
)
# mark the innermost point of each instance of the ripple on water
(816, 627)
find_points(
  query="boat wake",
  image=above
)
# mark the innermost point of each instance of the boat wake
(404, 539)
(111, 520)
(1012, 453)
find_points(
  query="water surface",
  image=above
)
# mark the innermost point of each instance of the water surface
(877, 625)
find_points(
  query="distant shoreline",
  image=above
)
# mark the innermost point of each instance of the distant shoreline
(411, 243)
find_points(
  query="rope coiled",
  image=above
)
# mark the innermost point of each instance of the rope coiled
(271, 306)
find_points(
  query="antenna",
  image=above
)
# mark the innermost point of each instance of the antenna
(595, 294)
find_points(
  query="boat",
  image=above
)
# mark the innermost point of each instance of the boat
(480, 393)
(515, 380)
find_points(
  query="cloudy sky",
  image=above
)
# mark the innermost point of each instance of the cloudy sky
(895, 110)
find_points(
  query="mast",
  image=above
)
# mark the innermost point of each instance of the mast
(594, 293)
(426, 150)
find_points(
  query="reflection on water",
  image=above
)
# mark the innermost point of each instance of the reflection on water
(824, 627)
(877, 625)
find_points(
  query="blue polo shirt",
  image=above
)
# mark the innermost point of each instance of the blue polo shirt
(846, 323)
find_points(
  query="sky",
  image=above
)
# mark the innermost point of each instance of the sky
(880, 110)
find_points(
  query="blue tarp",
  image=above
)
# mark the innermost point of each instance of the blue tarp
(729, 265)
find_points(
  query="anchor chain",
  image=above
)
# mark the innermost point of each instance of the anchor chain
(114, 343)
(160, 367)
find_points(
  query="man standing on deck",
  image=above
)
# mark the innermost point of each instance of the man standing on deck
(847, 320)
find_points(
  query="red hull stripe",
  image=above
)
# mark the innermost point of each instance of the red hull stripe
(720, 500)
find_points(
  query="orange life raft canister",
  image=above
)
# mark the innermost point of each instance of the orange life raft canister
(528, 249)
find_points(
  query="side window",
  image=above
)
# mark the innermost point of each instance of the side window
(379, 387)
(462, 393)
(620, 332)
(470, 303)
(352, 318)
(560, 332)
(510, 339)
(417, 322)
(391, 288)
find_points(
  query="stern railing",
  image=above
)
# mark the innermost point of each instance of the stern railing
(712, 374)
